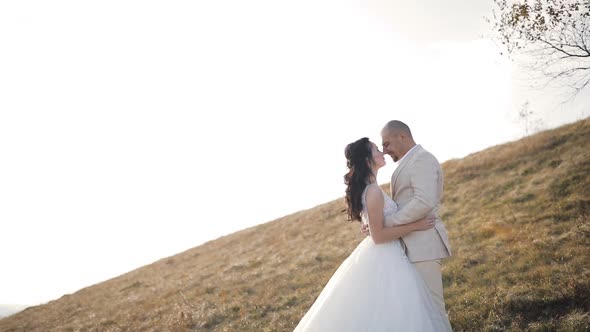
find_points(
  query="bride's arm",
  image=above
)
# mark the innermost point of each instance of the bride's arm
(381, 234)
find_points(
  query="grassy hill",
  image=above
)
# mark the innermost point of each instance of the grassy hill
(10, 309)
(518, 215)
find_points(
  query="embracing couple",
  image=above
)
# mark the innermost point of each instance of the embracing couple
(392, 280)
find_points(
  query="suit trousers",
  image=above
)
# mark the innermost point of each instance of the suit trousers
(431, 274)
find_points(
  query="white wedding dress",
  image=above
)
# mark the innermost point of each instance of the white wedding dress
(375, 289)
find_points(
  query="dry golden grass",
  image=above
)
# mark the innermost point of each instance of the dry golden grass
(519, 221)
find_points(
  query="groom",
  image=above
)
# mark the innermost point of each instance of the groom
(417, 187)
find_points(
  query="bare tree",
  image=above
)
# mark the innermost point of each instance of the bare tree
(555, 34)
(529, 120)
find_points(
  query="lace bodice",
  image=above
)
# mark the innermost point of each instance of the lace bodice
(389, 206)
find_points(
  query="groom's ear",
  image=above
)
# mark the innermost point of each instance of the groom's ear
(403, 136)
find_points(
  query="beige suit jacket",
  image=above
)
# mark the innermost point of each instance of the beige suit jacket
(417, 187)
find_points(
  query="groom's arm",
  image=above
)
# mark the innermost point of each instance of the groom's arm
(424, 176)
(378, 232)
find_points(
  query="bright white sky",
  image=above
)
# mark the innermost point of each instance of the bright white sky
(135, 130)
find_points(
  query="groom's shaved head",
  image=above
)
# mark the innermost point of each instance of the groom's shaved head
(397, 139)
(396, 126)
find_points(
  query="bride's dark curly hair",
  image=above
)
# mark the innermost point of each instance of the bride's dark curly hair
(358, 160)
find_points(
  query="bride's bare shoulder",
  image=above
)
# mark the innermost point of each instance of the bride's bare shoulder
(374, 193)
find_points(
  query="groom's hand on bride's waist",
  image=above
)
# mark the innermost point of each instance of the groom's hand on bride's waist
(418, 225)
(365, 230)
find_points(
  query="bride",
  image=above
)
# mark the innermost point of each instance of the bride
(376, 288)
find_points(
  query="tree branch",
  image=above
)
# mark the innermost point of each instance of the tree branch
(562, 50)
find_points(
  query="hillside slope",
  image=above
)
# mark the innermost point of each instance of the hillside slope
(518, 215)
(10, 309)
